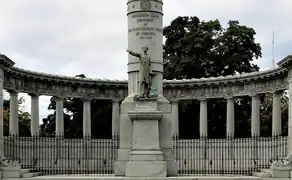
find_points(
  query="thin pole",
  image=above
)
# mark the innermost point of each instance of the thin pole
(273, 48)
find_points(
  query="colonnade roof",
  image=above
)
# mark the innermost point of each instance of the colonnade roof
(260, 75)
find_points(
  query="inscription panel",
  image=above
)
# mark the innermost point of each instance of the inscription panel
(145, 28)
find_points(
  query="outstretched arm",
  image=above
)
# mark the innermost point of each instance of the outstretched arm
(133, 53)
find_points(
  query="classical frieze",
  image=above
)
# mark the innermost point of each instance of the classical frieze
(224, 90)
(62, 86)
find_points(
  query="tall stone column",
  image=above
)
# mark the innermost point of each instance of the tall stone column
(255, 124)
(13, 114)
(86, 118)
(145, 28)
(59, 116)
(276, 119)
(276, 122)
(203, 118)
(175, 122)
(255, 116)
(115, 117)
(202, 153)
(230, 117)
(34, 124)
(289, 147)
(5, 62)
(1, 111)
(230, 126)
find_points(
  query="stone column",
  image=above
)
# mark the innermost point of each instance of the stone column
(230, 126)
(203, 130)
(1, 112)
(255, 124)
(230, 117)
(289, 146)
(276, 123)
(86, 118)
(59, 116)
(255, 116)
(276, 119)
(203, 118)
(115, 117)
(13, 114)
(175, 119)
(5, 62)
(34, 124)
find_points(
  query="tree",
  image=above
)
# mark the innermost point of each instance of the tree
(23, 117)
(196, 49)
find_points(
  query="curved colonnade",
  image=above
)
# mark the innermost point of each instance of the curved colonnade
(17, 80)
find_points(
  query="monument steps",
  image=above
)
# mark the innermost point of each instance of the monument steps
(264, 173)
(26, 173)
(23, 171)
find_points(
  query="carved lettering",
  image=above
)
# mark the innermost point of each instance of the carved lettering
(146, 20)
(145, 15)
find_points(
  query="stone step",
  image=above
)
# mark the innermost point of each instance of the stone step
(24, 171)
(261, 174)
(29, 175)
(266, 171)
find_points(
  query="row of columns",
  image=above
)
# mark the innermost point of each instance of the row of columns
(14, 121)
(230, 121)
(230, 124)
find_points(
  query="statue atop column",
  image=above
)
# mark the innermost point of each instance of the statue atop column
(146, 90)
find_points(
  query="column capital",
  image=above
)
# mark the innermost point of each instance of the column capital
(279, 92)
(229, 98)
(254, 95)
(88, 98)
(116, 100)
(12, 92)
(174, 101)
(58, 98)
(34, 95)
(202, 99)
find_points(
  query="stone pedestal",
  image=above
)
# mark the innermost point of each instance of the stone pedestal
(146, 157)
(126, 136)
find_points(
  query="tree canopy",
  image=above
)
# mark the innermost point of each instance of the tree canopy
(195, 49)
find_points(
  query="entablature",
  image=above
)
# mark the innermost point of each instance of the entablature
(54, 85)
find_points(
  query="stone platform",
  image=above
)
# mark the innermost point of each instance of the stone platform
(96, 177)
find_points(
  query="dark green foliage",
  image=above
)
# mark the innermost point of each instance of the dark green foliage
(196, 49)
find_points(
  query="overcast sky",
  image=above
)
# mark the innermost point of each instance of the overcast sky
(71, 37)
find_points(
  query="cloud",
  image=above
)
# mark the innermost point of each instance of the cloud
(73, 36)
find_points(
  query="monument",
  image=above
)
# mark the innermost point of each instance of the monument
(145, 117)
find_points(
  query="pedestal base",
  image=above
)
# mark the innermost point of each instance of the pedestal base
(146, 169)
(142, 138)
(146, 156)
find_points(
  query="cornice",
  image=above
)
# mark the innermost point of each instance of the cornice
(239, 78)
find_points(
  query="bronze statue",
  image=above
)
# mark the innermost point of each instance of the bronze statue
(145, 72)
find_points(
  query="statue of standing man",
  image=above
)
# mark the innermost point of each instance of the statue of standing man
(145, 72)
